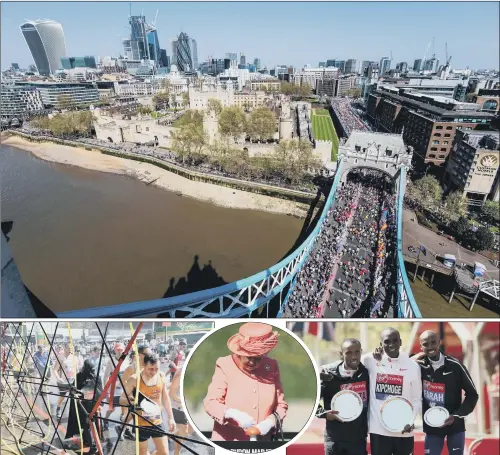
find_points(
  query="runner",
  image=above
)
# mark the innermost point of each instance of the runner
(392, 374)
(64, 373)
(443, 380)
(152, 388)
(345, 438)
(183, 427)
(132, 369)
(117, 390)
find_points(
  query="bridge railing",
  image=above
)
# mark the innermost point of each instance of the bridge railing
(407, 306)
(233, 300)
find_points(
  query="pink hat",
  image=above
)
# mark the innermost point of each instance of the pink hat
(254, 339)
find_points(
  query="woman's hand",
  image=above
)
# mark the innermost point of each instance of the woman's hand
(242, 419)
(172, 427)
(266, 425)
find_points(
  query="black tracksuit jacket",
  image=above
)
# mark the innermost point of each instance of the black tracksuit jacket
(360, 383)
(443, 387)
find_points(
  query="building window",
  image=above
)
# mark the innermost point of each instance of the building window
(445, 142)
(439, 127)
(434, 149)
(432, 155)
(447, 135)
(437, 134)
(435, 142)
(449, 127)
(441, 157)
(443, 149)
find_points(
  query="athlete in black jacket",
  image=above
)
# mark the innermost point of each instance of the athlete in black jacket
(443, 379)
(345, 438)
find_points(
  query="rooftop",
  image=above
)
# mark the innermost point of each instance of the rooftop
(364, 139)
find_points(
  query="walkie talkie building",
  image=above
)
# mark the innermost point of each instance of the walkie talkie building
(45, 39)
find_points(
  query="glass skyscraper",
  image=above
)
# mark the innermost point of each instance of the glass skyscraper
(182, 49)
(138, 38)
(45, 39)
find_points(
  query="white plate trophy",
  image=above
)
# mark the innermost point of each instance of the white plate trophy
(436, 416)
(348, 404)
(396, 413)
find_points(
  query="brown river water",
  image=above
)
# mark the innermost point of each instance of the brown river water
(83, 238)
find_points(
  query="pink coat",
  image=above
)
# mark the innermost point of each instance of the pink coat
(259, 395)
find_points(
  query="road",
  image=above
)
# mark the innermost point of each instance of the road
(415, 234)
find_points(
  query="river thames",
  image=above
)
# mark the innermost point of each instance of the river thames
(84, 238)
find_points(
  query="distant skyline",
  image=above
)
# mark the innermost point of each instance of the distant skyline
(277, 33)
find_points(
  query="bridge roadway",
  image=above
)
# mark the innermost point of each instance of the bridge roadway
(351, 265)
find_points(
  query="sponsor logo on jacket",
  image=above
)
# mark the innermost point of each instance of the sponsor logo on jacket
(359, 388)
(434, 393)
(388, 385)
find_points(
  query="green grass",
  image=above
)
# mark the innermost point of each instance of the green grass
(323, 129)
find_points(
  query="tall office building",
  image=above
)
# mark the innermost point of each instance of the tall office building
(385, 65)
(350, 66)
(194, 54)
(417, 65)
(68, 63)
(45, 39)
(138, 38)
(402, 67)
(181, 52)
(431, 65)
(364, 66)
(256, 63)
(154, 46)
(243, 59)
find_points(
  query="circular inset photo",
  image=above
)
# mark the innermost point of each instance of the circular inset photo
(250, 387)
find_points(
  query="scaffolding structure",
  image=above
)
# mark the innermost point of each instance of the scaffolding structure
(29, 426)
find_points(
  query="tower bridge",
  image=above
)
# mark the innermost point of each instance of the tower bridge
(278, 290)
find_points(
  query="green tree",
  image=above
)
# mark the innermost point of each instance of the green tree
(428, 192)
(287, 89)
(173, 101)
(460, 227)
(491, 211)
(305, 90)
(185, 99)
(144, 110)
(188, 141)
(354, 92)
(227, 157)
(214, 105)
(294, 158)
(161, 101)
(232, 122)
(191, 117)
(454, 205)
(262, 124)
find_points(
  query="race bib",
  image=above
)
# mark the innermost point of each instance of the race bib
(388, 385)
(151, 411)
(434, 393)
(359, 388)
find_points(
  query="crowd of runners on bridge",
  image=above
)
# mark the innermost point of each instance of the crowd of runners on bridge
(347, 115)
(350, 270)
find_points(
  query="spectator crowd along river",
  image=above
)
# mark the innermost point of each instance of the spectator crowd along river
(350, 270)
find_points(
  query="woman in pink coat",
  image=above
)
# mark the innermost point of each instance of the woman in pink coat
(246, 388)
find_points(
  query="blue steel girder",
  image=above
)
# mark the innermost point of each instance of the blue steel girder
(241, 298)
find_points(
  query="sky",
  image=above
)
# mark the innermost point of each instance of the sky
(294, 33)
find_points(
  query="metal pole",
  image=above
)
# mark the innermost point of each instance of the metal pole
(452, 293)
(474, 299)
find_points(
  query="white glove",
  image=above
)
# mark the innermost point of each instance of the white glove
(266, 425)
(241, 418)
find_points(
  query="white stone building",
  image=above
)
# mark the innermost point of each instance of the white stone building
(311, 75)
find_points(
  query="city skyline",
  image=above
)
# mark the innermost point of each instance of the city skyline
(307, 34)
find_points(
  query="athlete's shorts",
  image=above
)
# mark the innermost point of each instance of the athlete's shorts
(116, 401)
(391, 445)
(147, 432)
(64, 387)
(180, 417)
(434, 444)
(345, 447)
